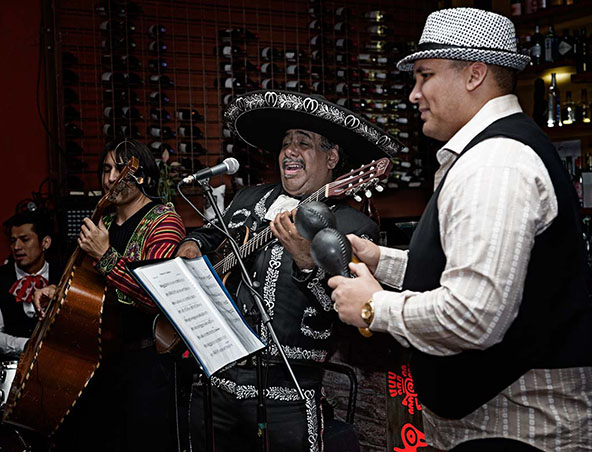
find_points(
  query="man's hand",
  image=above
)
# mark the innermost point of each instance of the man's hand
(93, 239)
(366, 251)
(40, 299)
(284, 229)
(350, 294)
(188, 249)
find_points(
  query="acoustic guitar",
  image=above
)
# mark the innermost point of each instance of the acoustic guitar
(363, 179)
(66, 347)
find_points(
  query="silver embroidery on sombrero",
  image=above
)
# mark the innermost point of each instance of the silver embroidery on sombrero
(289, 101)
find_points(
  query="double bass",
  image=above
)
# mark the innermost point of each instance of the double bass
(66, 347)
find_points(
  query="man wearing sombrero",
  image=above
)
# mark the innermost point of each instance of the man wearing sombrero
(309, 136)
(494, 304)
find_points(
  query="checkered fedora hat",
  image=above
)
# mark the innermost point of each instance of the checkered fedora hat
(468, 34)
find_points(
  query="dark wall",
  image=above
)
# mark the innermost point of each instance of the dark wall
(22, 137)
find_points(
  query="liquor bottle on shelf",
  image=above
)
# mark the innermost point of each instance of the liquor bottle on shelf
(156, 30)
(583, 109)
(270, 53)
(186, 114)
(131, 113)
(163, 132)
(583, 63)
(159, 114)
(70, 96)
(157, 47)
(157, 65)
(565, 47)
(538, 46)
(164, 81)
(516, 7)
(551, 53)
(553, 103)
(187, 147)
(157, 98)
(229, 51)
(568, 110)
(377, 16)
(190, 131)
(379, 31)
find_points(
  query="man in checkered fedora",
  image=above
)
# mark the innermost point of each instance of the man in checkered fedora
(494, 304)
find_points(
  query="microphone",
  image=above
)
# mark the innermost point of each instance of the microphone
(228, 166)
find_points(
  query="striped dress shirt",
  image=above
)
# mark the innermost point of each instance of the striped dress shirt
(493, 204)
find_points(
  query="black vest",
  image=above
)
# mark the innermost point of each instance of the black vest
(553, 328)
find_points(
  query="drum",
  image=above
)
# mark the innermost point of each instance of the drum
(11, 440)
(7, 374)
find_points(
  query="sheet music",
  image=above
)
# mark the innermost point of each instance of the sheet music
(201, 310)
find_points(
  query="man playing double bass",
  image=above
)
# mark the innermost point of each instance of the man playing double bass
(128, 404)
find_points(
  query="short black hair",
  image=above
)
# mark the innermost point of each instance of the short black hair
(39, 220)
(124, 150)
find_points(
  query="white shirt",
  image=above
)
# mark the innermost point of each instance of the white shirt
(493, 204)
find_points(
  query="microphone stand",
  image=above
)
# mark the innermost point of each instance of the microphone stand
(265, 321)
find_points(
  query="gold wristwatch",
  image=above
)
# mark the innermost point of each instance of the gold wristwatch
(367, 314)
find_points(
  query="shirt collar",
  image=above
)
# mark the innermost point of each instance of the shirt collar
(20, 273)
(494, 109)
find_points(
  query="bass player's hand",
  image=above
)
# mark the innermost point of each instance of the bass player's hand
(94, 239)
(40, 299)
(188, 249)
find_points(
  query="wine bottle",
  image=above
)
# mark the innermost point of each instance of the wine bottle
(296, 85)
(377, 16)
(132, 79)
(164, 81)
(236, 34)
(72, 130)
(553, 103)
(112, 112)
(69, 77)
(568, 110)
(121, 96)
(229, 51)
(163, 132)
(156, 30)
(294, 56)
(161, 146)
(157, 47)
(131, 113)
(112, 78)
(296, 70)
(130, 131)
(538, 46)
(157, 65)
(186, 114)
(583, 109)
(157, 98)
(270, 69)
(159, 114)
(70, 96)
(550, 45)
(69, 59)
(270, 53)
(70, 113)
(269, 83)
(187, 147)
(117, 27)
(190, 131)
(379, 31)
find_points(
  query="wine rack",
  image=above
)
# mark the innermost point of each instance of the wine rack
(163, 72)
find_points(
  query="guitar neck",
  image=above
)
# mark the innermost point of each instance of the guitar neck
(260, 239)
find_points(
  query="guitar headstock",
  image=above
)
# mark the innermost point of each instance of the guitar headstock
(125, 176)
(363, 179)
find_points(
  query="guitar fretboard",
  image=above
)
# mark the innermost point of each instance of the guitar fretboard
(259, 240)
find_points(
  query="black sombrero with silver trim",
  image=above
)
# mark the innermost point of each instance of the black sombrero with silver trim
(468, 34)
(261, 119)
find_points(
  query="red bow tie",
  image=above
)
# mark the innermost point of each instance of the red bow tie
(24, 288)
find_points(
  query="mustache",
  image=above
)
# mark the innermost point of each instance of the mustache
(287, 160)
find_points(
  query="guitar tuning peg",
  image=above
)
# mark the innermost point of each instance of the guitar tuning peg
(368, 194)
(357, 198)
(379, 188)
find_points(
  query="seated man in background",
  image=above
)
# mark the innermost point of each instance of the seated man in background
(26, 271)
